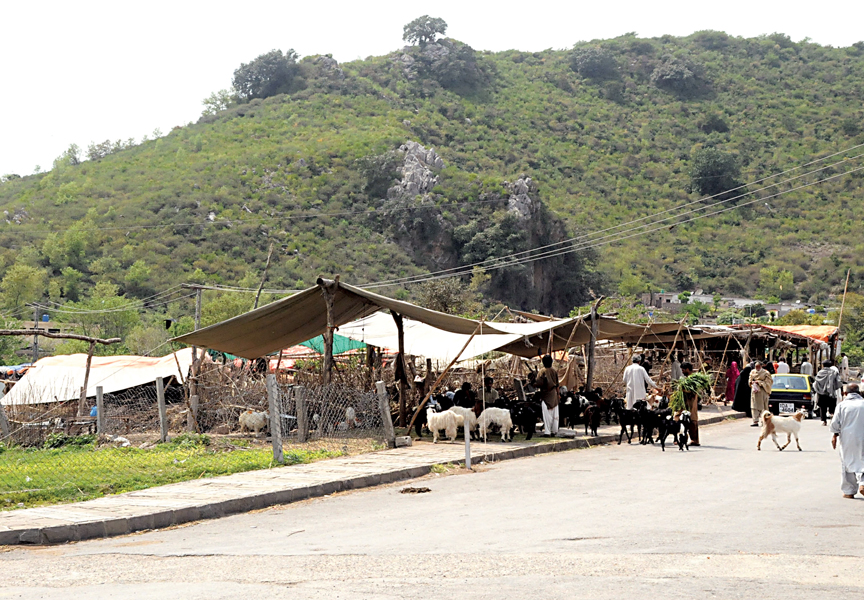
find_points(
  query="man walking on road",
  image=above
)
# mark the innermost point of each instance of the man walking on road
(806, 367)
(760, 385)
(826, 385)
(848, 426)
(844, 367)
(635, 378)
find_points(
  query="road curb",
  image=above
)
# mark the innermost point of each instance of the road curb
(162, 518)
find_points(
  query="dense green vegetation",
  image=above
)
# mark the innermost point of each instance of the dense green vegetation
(611, 131)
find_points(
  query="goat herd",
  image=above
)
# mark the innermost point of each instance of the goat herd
(575, 408)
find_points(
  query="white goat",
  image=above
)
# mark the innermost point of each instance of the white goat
(468, 415)
(772, 425)
(497, 416)
(448, 421)
(351, 418)
(254, 421)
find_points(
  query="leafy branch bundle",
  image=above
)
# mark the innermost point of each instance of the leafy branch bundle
(695, 383)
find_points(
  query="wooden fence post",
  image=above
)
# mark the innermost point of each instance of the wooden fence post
(82, 401)
(328, 291)
(275, 418)
(384, 406)
(401, 368)
(595, 330)
(100, 411)
(163, 418)
(4, 424)
(302, 417)
(192, 415)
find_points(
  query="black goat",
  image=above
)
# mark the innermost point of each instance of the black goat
(651, 420)
(524, 416)
(593, 415)
(627, 417)
(570, 409)
(595, 396)
(678, 429)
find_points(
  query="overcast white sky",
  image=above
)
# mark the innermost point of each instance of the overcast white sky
(91, 70)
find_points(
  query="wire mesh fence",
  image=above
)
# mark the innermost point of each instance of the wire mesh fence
(218, 423)
(333, 418)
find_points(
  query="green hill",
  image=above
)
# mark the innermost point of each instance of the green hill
(532, 148)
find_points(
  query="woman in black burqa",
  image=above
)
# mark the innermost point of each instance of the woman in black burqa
(742, 391)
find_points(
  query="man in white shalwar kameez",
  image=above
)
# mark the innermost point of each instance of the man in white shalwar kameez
(635, 378)
(848, 426)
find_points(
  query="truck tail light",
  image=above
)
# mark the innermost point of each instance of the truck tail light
(808, 397)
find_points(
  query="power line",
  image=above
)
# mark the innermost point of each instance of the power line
(114, 309)
(233, 288)
(137, 303)
(491, 261)
(561, 252)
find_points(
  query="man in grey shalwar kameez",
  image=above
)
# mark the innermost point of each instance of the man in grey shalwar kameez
(848, 426)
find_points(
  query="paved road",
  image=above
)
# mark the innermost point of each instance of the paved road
(722, 521)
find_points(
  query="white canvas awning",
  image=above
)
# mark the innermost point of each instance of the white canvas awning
(430, 342)
(59, 378)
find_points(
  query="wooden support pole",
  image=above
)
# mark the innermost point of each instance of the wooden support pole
(100, 411)
(163, 418)
(843, 304)
(386, 419)
(4, 423)
(82, 401)
(427, 378)
(192, 414)
(35, 337)
(403, 392)
(595, 331)
(263, 277)
(59, 336)
(275, 406)
(328, 290)
(193, 380)
(746, 348)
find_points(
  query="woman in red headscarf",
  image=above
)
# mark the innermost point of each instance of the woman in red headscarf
(732, 374)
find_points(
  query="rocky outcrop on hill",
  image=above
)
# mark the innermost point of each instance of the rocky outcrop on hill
(520, 203)
(418, 172)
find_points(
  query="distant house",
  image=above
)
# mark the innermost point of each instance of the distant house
(660, 299)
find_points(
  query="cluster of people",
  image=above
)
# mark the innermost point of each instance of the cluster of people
(545, 385)
(467, 397)
(638, 382)
(751, 387)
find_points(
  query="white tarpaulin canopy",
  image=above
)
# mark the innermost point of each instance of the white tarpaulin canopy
(59, 378)
(425, 340)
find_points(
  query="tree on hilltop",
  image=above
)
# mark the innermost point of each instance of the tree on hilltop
(594, 62)
(268, 75)
(423, 30)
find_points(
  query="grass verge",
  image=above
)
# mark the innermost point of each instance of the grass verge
(36, 476)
